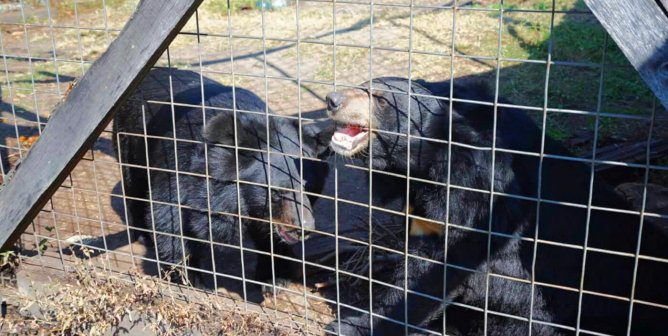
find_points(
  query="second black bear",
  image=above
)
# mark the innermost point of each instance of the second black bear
(488, 278)
(202, 201)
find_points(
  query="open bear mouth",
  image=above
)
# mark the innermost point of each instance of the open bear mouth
(349, 139)
(289, 235)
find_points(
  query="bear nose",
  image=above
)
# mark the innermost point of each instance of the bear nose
(334, 101)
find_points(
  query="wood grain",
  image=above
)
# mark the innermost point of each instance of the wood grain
(640, 29)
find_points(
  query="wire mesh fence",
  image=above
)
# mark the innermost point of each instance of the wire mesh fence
(495, 167)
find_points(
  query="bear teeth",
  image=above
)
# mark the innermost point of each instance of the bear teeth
(345, 140)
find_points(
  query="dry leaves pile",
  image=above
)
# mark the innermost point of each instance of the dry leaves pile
(97, 303)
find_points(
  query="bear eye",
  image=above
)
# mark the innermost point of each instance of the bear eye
(275, 197)
(380, 101)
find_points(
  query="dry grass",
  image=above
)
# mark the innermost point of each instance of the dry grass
(93, 302)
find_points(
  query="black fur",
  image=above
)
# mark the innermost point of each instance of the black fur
(253, 166)
(467, 250)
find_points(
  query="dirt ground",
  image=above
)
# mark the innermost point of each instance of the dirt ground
(45, 49)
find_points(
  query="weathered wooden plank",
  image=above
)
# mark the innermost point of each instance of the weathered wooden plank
(78, 121)
(629, 152)
(640, 29)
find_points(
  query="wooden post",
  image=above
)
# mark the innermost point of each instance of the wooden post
(78, 121)
(640, 28)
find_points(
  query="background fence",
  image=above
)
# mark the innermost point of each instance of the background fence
(550, 59)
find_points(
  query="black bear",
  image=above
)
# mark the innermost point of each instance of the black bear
(214, 156)
(496, 197)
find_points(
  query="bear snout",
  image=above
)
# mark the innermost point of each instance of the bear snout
(294, 219)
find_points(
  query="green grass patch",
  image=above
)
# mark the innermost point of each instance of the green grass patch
(575, 37)
(556, 130)
(221, 6)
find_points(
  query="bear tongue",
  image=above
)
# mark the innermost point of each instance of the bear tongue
(287, 237)
(350, 130)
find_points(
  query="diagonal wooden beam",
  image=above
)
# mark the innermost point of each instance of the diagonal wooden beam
(78, 121)
(664, 6)
(640, 29)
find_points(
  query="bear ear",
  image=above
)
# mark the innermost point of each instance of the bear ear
(316, 138)
(220, 129)
(222, 163)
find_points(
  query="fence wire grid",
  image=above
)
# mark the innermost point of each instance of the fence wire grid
(548, 59)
